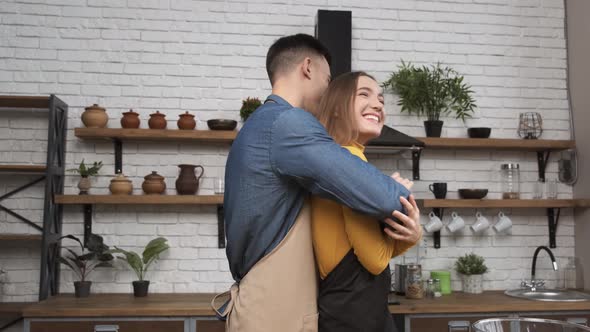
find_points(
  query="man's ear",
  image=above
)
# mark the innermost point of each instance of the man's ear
(306, 68)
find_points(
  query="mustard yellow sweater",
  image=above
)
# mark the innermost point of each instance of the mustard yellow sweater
(336, 229)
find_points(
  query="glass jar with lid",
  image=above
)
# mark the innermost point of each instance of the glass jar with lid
(414, 288)
(510, 176)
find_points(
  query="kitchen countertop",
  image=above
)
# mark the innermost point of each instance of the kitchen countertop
(176, 305)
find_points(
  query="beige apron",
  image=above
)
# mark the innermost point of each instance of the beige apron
(279, 293)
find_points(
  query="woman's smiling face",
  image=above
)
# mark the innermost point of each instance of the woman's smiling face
(368, 109)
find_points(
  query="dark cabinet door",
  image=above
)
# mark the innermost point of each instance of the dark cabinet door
(107, 326)
(210, 326)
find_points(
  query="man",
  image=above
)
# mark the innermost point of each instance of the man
(281, 155)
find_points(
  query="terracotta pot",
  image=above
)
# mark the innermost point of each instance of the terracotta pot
(121, 185)
(153, 184)
(186, 121)
(187, 182)
(84, 185)
(157, 120)
(130, 119)
(95, 117)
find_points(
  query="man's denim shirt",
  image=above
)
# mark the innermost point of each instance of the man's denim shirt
(281, 155)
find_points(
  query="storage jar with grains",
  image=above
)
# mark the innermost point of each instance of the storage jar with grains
(510, 174)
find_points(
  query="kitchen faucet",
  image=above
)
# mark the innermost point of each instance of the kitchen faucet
(534, 284)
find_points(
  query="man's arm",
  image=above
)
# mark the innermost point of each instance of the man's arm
(302, 150)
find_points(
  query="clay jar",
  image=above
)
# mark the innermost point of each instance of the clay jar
(186, 121)
(187, 182)
(130, 120)
(95, 117)
(157, 120)
(121, 185)
(153, 184)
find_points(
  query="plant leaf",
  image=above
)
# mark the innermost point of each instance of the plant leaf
(132, 259)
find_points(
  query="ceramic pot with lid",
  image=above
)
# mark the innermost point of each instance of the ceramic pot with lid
(186, 121)
(95, 117)
(153, 184)
(157, 121)
(121, 185)
(130, 119)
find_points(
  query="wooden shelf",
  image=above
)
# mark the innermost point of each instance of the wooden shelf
(22, 169)
(13, 308)
(212, 136)
(24, 102)
(496, 144)
(140, 199)
(504, 203)
(20, 237)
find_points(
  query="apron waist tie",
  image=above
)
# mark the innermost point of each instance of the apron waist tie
(225, 309)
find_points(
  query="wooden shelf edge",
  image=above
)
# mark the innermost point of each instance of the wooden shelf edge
(20, 237)
(496, 143)
(504, 203)
(22, 168)
(140, 199)
(24, 102)
(14, 308)
(220, 136)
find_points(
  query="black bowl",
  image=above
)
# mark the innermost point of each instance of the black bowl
(473, 193)
(479, 132)
(222, 124)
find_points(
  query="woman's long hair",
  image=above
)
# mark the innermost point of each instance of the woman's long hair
(336, 110)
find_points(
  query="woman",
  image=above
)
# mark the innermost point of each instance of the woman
(352, 251)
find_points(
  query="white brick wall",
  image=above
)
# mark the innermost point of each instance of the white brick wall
(205, 56)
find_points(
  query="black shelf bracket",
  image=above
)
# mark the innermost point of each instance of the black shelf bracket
(416, 152)
(220, 227)
(436, 235)
(542, 158)
(87, 208)
(553, 220)
(118, 156)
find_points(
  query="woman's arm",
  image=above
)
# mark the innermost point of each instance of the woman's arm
(373, 248)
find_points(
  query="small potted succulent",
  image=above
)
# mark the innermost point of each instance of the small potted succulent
(249, 105)
(431, 91)
(84, 263)
(140, 264)
(85, 172)
(471, 267)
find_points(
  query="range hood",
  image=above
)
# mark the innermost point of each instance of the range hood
(393, 141)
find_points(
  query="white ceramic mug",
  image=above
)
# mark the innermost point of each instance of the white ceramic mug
(504, 223)
(435, 224)
(456, 223)
(481, 223)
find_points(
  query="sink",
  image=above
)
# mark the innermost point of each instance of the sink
(526, 324)
(555, 295)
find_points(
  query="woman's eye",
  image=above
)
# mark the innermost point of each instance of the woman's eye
(364, 94)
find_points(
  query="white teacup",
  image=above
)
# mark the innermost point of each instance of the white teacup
(435, 224)
(456, 223)
(481, 223)
(504, 223)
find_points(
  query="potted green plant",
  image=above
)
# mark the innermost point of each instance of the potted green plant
(431, 91)
(249, 105)
(141, 264)
(471, 267)
(85, 172)
(84, 263)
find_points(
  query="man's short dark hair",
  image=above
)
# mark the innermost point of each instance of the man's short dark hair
(290, 50)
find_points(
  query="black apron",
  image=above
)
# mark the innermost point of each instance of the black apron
(352, 299)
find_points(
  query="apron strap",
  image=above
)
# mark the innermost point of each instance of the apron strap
(225, 309)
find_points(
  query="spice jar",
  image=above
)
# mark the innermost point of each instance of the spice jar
(429, 289)
(414, 288)
(510, 174)
(437, 288)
